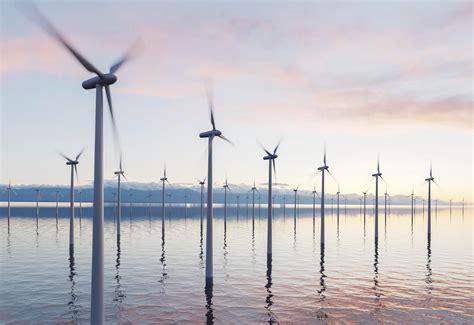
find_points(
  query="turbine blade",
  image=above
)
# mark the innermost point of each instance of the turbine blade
(80, 153)
(123, 174)
(225, 139)
(277, 146)
(37, 16)
(264, 149)
(132, 49)
(210, 102)
(77, 174)
(111, 110)
(64, 156)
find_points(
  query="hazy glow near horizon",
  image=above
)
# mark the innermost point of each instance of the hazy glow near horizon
(388, 78)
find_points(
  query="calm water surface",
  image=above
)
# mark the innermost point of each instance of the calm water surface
(404, 279)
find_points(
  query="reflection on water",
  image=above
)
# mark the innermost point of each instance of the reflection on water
(268, 298)
(350, 280)
(74, 308)
(209, 308)
(321, 315)
(119, 295)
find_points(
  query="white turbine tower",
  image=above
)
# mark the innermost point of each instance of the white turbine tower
(9, 194)
(201, 184)
(120, 173)
(73, 163)
(377, 175)
(295, 190)
(37, 190)
(429, 180)
(101, 81)
(226, 187)
(57, 205)
(253, 189)
(163, 180)
(210, 135)
(323, 169)
(314, 205)
(271, 161)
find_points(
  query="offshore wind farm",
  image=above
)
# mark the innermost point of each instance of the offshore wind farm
(240, 230)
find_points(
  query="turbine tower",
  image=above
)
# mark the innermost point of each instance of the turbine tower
(120, 173)
(295, 190)
(226, 187)
(377, 175)
(365, 200)
(271, 161)
(429, 180)
(323, 169)
(37, 190)
(73, 163)
(314, 205)
(101, 81)
(210, 135)
(253, 189)
(201, 184)
(163, 180)
(9, 191)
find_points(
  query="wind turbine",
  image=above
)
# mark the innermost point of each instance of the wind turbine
(429, 180)
(37, 190)
(9, 191)
(323, 169)
(377, 175)
(295, 190)
(102, 80)
(57, 206)
(226, 187)
(130, 203)
(120, 173)
(365, 200)
(314, 205)
(80, 207)
(210, 135)
(149, 197)
(238, 206)
(163, 180)
(201, 184)
(338, 193)
(284, 207)
(253, 189)
(271, 161)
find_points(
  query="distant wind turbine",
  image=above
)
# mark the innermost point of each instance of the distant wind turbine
(314, 206)
(323, 169)
(226, 187)
(80, 207)
(9, 192)
(429, 180)
(163, 180)
(57, 205)
(120, 173)
(37, 206)
(377, 175)
(365, 204)
(253, 189)
(210, 135)
(338, 193)
(201, 184)
(271, 161)
(295, 190)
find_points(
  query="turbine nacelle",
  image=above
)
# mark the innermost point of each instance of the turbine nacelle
(430, 179)
(71, 162)
(379, 174)
(120, 172)
(323, 168)
(211, 133)
(270, 157)
(104, 80)
(163, 179)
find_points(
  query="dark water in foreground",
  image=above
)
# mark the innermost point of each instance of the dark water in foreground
(404, 279)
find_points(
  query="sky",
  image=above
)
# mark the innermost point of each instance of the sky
(367, 79)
